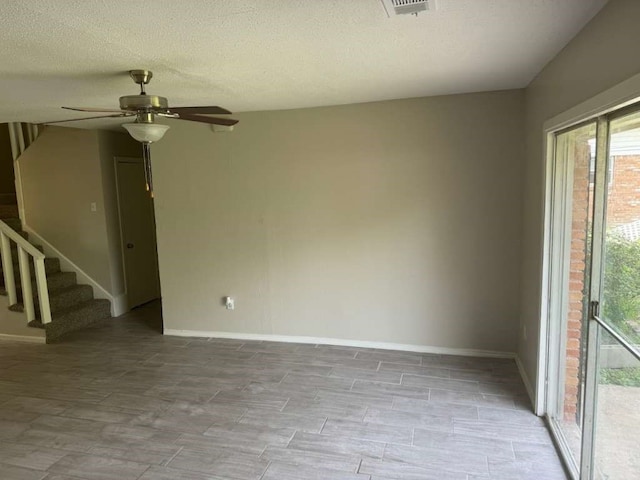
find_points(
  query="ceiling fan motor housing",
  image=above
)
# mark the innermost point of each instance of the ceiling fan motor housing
(143, 102)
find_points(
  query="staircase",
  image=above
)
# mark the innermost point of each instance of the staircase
(72, 305)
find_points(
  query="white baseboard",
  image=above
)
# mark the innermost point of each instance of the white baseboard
(466, 352)
(22, 338)
(67, 265)
(119, 305)
(527, 383)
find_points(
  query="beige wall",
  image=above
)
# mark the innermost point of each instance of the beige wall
(599, 57)
(393, 221)
(63, 172)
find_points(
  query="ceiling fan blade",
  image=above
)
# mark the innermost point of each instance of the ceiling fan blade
(126, 114)
(229, 122)
(202, 110)
(97, 110)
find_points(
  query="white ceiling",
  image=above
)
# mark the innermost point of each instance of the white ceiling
(249, 55)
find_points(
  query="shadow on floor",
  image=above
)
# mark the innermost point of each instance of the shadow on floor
(142, 321)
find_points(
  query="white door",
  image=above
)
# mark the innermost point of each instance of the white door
(138, 233)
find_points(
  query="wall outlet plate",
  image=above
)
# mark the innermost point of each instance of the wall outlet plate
(229, 303)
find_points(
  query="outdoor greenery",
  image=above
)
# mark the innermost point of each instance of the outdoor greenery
(621, 293)
(626, 377)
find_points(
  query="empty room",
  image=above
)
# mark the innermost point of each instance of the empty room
(325, 240)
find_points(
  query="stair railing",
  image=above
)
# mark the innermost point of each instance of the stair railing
(25, 250)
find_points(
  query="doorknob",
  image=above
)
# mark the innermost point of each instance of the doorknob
(129, 245)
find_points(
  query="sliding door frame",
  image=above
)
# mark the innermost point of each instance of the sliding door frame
(621, 95)
(557, 180)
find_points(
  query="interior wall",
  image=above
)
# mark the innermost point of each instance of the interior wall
(7, 184)
(61, 177)
(393, 221)
(63, 172)
(602, 55)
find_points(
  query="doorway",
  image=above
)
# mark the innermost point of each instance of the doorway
(137, 232)
(593, 354)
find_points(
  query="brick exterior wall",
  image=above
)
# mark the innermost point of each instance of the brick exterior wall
(623, 204)
(623, 207)
(581, 203)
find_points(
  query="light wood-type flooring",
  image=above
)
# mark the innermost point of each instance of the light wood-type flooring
(122, 402)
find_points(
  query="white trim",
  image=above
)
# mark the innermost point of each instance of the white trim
(119, 305)
(465, 352)
(540, 392)
(527, 384)
(67, 265)
(619, 96)
(22, 338)
(616, 97)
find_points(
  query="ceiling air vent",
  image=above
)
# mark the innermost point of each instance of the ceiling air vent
(408, 7)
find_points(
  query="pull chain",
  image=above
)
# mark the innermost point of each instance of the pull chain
(146, 156)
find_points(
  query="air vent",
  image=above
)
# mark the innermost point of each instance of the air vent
(408, 7)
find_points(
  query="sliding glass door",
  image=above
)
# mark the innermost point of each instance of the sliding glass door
(616, 443)
(573, 196)
(593, 367)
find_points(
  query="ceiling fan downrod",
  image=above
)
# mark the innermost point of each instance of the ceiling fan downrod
(142, 78)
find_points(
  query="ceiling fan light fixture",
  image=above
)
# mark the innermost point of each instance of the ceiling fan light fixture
(146, 132)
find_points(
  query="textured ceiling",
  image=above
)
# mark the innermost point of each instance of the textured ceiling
(250, 55)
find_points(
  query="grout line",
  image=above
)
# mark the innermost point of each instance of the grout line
(366, 410)
(140, 476)
(285, 405)
(323, 425)
(174, 456)
(246, 410)
(265, 470)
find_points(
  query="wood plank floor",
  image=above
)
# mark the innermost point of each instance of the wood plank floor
(122, 402)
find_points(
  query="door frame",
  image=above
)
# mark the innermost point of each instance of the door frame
(615, 98)
(620, 100)
(116, 161)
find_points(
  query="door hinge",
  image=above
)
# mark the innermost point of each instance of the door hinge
(594, 307)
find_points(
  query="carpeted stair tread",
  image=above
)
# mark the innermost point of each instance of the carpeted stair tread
(22, 233)
(61, 299)
(8, 199)
(75, 318)
(14, 248)
(13, 222)
(72, 306)
(51, 266)
(8, 211)
(55, 281)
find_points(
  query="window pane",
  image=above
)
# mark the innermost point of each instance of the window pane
(617, 445)
(621, 287)
(575, 159)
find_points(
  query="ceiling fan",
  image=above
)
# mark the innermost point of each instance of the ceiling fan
(145, 108)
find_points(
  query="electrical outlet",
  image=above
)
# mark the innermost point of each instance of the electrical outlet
(229, 303)
(524, 332)
(94, 207)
